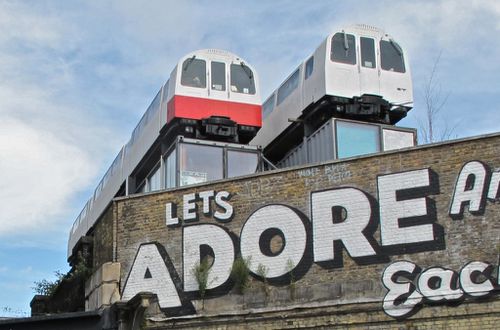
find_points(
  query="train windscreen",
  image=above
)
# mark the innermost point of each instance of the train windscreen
(391, 56)
(343, 48)
(242, 79)
(194, 73)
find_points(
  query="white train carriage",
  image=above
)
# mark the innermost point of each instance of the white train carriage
(358, 73)
(211, 94)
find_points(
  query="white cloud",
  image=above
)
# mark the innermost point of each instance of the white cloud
(47, 143)
(40, 172)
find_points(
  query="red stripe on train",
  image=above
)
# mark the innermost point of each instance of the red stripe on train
(199, 108)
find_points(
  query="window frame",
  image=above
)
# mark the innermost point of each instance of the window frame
(363, 124)
(309, 68)
(285, 90)
(270, 100)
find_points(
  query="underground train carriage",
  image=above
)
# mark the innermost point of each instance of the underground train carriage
(358, 73)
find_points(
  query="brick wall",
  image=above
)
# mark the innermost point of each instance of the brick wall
(103, 238)
(321, 288)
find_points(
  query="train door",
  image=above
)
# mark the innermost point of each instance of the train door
(242, 83)
(218, 80)
(395, 85)
(342, 77)
(369, 82)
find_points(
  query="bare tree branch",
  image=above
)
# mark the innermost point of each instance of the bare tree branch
(430, 127)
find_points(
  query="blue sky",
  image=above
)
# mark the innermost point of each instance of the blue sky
(76, 76)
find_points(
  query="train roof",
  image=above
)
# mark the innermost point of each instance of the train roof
(214, 54)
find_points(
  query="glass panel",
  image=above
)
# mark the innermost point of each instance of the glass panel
(218, 71)
(268, 106)
(170, 170)
(397, 139)
(154, 180)
(241, 163)
(309, 67)
(194, 73)
(142, 188)
(288, 87)
(391, 58)
(368, 52)
(242, 80)
(343, 48)
(356, 139)
(200, 163)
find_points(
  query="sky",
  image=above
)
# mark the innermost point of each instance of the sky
(76, 76)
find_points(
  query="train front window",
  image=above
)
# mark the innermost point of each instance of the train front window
(391, 58)
(242, 79)
(367, 52)
(200, 163)
(218, 72)
(194, 73)
(241, 163)
(343, 48)
(288, 87)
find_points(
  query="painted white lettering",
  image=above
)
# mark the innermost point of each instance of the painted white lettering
(438, 284)
(469, 188)
(392, 210)
(149, 273)
(494, 191)
(189, 207)
(470, 279)
(205, 196)
(222, 246)
(170, 220)
(221, 201)
(326, 229)
(402, 296)
(277, 218)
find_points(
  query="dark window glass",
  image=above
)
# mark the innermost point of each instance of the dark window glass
(288, 87)
(242, 79)
(309, 67)
(343, 48)
(241, 163)
(218, 71)
(268, 106)
(391, 56)
(356, 139)
(367, 52)
(194, 73)
(200, 163)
